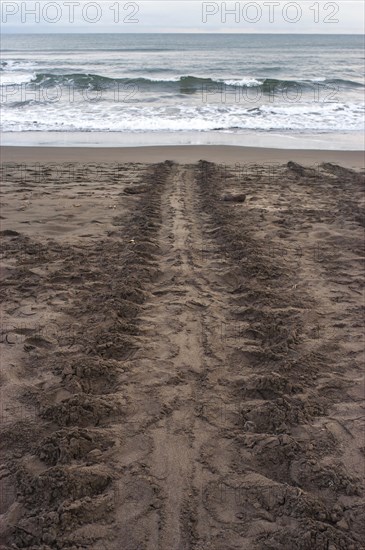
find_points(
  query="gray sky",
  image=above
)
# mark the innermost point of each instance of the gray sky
(260, 16)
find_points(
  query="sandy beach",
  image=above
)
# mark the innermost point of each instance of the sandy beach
(182, 154)
(182, 349)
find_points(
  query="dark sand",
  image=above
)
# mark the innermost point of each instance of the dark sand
(181, 371)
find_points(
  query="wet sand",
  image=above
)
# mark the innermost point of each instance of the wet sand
(183, 154)
(182, 350)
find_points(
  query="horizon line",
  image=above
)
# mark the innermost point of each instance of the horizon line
(193, 32)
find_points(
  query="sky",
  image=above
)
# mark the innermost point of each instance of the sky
(183, 16)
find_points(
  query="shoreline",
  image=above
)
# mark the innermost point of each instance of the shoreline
(181, 154)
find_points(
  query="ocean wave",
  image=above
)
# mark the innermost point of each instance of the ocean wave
(309, 117)
(181, 84)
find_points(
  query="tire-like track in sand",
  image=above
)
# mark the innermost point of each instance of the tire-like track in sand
(201, 391)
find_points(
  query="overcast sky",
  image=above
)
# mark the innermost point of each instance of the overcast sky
(260, 16)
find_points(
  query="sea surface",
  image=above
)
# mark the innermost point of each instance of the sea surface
(210, 88)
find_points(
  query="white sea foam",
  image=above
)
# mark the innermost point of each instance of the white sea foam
(243, 82)
(333, 117)
(11, 78)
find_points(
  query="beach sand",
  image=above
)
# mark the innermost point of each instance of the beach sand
(183, 154)
(182, 349)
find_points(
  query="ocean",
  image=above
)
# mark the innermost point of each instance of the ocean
(177, 88)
